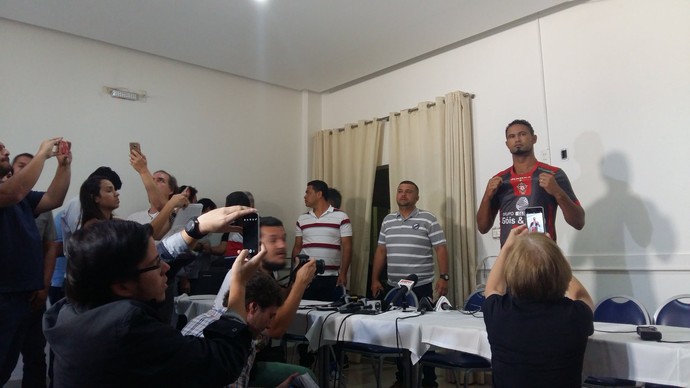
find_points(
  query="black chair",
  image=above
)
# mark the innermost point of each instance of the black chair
(209, 281)
(339, 293)
(618, 309)
(377, 352)
(456, 361)
(460, 361)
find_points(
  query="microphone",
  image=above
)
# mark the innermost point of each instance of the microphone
(425, 304)
(404, 287)
(443, 304)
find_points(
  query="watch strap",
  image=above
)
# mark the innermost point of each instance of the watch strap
(192, 229)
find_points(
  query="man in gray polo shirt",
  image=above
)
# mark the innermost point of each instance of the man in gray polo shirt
(406, 240)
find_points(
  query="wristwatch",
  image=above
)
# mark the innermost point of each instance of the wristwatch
(444, 276)
(192, 229)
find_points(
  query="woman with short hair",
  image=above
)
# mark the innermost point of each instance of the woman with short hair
(538, 315)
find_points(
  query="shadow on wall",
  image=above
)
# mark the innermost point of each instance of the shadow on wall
(619, 232)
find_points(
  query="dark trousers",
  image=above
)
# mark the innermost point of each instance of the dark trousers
(321, 288)
(33, 352)
(428, 373)
(14, 314)
(54, 295)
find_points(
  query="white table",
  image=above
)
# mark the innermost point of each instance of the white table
(613, 350)
(191, 306)
(622, 355)
(616, 350)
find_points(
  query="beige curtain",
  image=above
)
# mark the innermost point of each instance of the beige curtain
(432, 146)
(346, 160)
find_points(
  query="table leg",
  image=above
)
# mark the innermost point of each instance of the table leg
(323, 365)
(409, 371)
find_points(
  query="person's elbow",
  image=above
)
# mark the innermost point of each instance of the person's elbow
(483, 226)
(579, 221)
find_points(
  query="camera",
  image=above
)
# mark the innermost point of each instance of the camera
(320, 264)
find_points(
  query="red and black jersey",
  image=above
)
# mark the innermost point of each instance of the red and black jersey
(518, 192)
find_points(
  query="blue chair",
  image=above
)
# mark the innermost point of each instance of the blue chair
(674, 312)
(409, 300)
(475, 301)
(377, 352)
(621, 309)
(618, 309)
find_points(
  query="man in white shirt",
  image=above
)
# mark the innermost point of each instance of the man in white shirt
(324, 233)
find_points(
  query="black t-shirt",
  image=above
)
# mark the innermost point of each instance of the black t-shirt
(537, 344)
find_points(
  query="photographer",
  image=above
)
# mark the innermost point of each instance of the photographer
(107, 333)
(531, 291)
(269, 370)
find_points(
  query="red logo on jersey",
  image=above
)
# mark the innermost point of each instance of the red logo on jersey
(522, 187)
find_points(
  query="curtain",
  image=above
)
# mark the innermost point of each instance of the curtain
(346, 160)
(432, 146)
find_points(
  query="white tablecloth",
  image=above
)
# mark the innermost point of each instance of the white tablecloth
(191, 306)
(614, 350)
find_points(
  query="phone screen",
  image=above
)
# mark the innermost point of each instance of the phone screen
(535, 221)
(250, 233)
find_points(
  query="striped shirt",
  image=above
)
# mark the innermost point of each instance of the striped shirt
(321, 236)
(409, 242)
(196, 327)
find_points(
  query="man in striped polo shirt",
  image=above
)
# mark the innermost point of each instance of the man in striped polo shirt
(405, 242)
(324, 233)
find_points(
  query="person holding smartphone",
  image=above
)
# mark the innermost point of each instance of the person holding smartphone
(527, 183)
(107, 332)
(21, 254)
(531, 290)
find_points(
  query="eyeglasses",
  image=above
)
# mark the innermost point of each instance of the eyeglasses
(153, 267)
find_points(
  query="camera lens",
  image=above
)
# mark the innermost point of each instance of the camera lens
(320, 266)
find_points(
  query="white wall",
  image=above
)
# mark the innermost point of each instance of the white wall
(609, 82)
(217, 132)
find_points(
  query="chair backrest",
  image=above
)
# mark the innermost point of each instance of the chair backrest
(475, 301)
(410, 298)
(621, 309)
(674, 312)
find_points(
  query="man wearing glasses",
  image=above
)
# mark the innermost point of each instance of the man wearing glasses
(107, 333)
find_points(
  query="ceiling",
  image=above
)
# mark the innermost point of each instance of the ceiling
(315, 45)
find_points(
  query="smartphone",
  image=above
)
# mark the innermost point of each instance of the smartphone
(135, 146)
(64, 147)
(534, 219)
(250, 233)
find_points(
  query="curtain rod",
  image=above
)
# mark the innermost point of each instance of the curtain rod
(429, 105)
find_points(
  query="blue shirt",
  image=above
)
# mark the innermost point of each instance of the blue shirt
(58, 278)
(21, 250)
